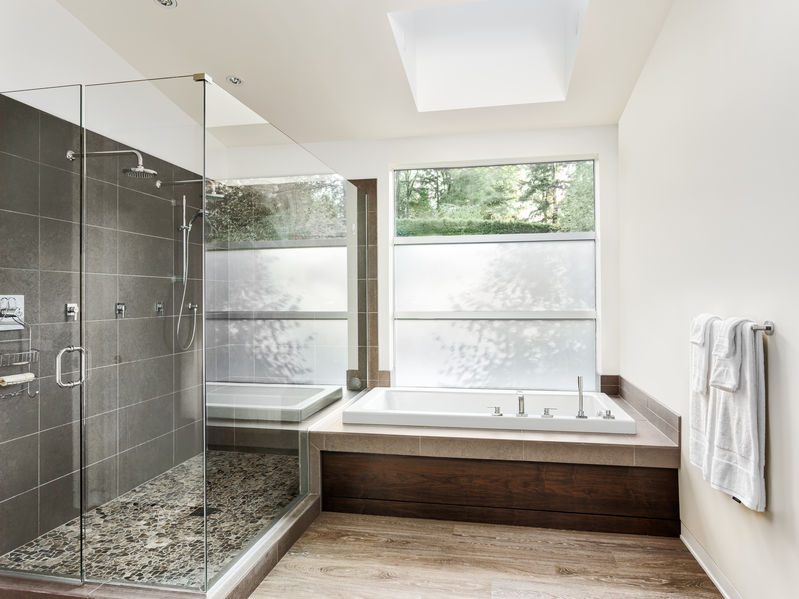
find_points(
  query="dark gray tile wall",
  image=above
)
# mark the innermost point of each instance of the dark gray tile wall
(143, 396)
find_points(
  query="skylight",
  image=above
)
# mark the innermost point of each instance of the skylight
(490, 53)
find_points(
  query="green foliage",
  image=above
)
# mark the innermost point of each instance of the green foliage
(409, 227)
(300, 208)
(514, 198)
(577, 209)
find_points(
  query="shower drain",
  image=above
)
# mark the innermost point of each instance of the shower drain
(201, 512)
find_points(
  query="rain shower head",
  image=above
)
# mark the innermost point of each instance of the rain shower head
(211, 195)
(137, 172)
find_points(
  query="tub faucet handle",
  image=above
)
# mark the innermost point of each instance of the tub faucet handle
(547, 413)
(497, 410)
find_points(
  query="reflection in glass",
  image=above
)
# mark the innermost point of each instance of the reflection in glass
(281, 328)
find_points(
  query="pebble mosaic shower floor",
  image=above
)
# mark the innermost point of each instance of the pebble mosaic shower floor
(149, 535)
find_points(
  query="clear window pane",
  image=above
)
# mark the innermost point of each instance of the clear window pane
(512, 198)
(311, 207)
(556, 275)
(505, 354)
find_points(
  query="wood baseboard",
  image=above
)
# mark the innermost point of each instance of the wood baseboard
(619, 499)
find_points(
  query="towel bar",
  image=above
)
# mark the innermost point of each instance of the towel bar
(767, 327)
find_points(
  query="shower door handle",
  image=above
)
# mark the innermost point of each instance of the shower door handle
(58, 358)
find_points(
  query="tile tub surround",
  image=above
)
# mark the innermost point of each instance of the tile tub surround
(250, 490)
(143, 410)
(663, 418)
(648, 447)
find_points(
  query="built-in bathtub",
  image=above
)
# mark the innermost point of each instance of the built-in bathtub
(475, 408)
(260, 401)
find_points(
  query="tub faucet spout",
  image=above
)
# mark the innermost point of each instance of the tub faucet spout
(580, 411)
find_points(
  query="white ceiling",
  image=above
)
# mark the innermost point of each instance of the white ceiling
(325, 70)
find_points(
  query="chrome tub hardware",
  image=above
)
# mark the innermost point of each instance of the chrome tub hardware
(767, 327)
(547, 413)
(120, 309)
(71, 311)
(22, 353)
(520, 397)
(58, 378)
(497, 410)
(608, 415)
(580, 411)
(160, 307)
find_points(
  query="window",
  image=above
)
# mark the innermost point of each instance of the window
(494, 276)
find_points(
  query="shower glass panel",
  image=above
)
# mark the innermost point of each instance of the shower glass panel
(282, 319)
(40, 445)
(178, 435)
(143, 483)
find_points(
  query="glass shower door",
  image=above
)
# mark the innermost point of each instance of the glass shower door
(101, 453)
(143, 484)
(40, 317)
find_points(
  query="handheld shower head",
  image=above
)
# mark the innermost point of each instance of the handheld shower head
(197, 215)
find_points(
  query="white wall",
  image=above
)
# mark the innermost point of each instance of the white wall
(377, 159)
(709, 150)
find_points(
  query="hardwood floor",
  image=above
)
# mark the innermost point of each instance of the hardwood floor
(357, 556)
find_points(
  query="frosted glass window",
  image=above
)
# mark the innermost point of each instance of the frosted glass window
(294, 279)
(557, 275)
(505, 354)
(288, 351)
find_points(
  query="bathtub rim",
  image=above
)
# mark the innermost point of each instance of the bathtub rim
(624, 423)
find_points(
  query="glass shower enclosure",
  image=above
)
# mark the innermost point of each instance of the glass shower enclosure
(177, 302)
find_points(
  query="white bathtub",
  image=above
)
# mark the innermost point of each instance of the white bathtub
(472, 408)
(258, 401)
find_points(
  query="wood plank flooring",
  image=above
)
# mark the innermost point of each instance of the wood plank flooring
(356, 556)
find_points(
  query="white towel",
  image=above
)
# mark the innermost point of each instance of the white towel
(704, 330)
(700, 351)
(725, 369)
(739, 428)
(16, 379)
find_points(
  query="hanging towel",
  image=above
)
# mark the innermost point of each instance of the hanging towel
(739, 427)
(704, 330)
(725, 370)
(700, 351)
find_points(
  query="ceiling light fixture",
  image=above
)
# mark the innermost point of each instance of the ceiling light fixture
(167, 3)
(235, 80)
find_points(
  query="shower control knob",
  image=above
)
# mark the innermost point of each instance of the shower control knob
(497, 410)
